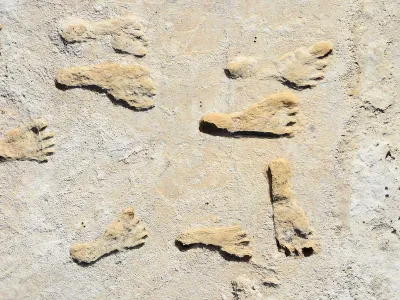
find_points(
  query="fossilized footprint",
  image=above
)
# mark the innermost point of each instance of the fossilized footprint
(246, 288)
(126, 32)
(231, 240)
(126, 231)
(29, 141)
(130, 84)
(276, 115)
(293, 232)
(242, 67)
(301, 68)
(304, 66)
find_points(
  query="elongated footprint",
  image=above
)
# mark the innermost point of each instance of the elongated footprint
(125, 232)
(301, 68)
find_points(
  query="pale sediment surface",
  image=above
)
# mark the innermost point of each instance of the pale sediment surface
(344, 161)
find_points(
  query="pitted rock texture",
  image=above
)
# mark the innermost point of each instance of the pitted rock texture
(126, 32)
(126, 231)
(1, 28)
(130, 84)
(293, 232)
(276, 115)
(30, 141)
(232, 240)
(304, 67)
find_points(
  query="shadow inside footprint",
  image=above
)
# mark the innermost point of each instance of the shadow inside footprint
(99, 90)
(294, 86)
(212, 129)
(88, 264)
(228, 74)
(227, 256)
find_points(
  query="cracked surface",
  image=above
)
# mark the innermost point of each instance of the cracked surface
(293, 231)
(126, 32)
(126, 231)
(130, 84)
(30, 141)
(277, 115)
(232, 240)
(304, 67)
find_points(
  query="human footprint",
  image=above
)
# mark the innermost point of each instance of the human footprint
(246, 288)
(276, 115)
(29, 141)
(242, 67)
(231, 240)
(304, 66)
(301, 68)
(126, 231)
(130, 84)
(126, 32)
(293, 232)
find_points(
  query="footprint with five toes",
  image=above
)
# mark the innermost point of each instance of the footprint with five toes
(29, 141)
(304, 66)
(298, 69)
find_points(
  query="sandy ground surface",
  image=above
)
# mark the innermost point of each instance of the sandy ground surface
(345, 160)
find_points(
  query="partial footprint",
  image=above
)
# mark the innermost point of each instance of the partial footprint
(231, 240)
(129, 84)
(126, 32)
(304, 66)
(276, 115)
(242, 67)
(29, 141)
(126, 231)
(293, 232)
(246, 288)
